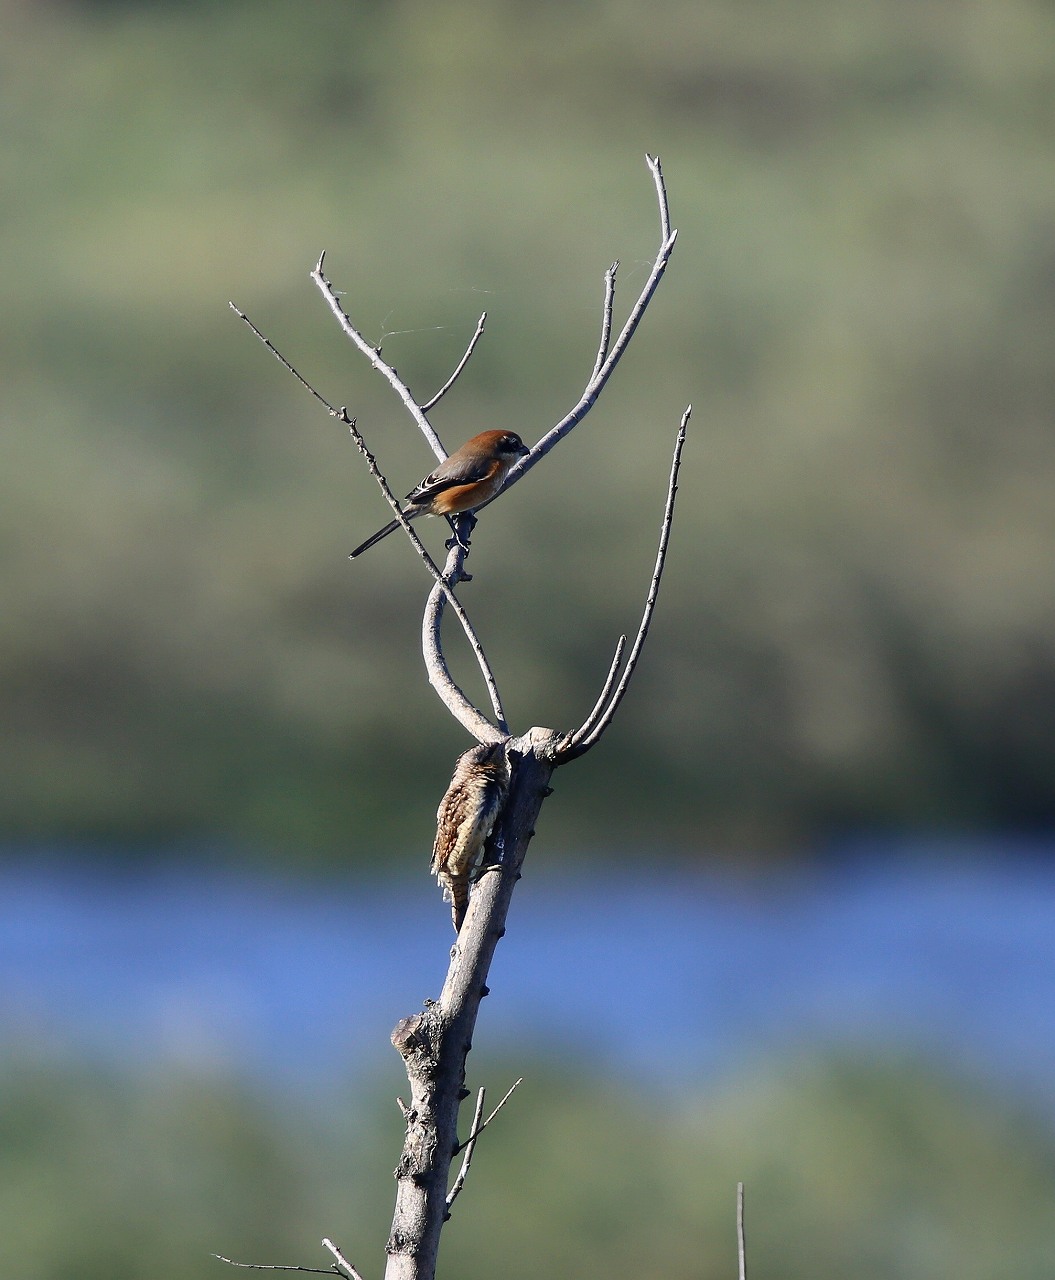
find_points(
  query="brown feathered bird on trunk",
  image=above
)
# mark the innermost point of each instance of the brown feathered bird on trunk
(465, 819)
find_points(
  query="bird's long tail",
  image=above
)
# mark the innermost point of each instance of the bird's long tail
(391, 527)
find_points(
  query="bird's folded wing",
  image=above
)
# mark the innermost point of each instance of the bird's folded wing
(449, 477)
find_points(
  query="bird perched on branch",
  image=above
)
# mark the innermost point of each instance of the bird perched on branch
(465, 819)
(471, 476)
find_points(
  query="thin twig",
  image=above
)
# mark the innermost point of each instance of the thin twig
(606, 692)
(606, 318)
(661, 195)
(578, 743)
(342, 1263)
(443, 580)
(431, 404)
(373, 354)
(284, 362)
(469, 1147)
(274, 1266)
(475, 1132)
(741, 1249)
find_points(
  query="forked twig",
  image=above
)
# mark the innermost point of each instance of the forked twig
(469, 1147)
(341, 1264)
(431, 404)
(373, 354)
(607, 358)
(596, 723)
(478, 1128)
(609, 684)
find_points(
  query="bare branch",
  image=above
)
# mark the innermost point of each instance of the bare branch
(284, 362)
(589, 734)
(601, 375)
(373, 354)
(450, 693)
(609, 684)
(274, 1266)
(342, 1264)
(431, 404)
(606, 318)
(741, 1248)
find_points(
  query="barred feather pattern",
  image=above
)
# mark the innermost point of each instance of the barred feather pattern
(465, 819)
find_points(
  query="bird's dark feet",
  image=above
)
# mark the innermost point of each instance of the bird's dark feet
(461, 530)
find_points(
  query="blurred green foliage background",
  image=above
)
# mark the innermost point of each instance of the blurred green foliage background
(873, 1169)
(856, 628)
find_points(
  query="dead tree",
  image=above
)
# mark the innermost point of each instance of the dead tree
(435, 1043)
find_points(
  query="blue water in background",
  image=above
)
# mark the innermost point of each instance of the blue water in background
(664, 975)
